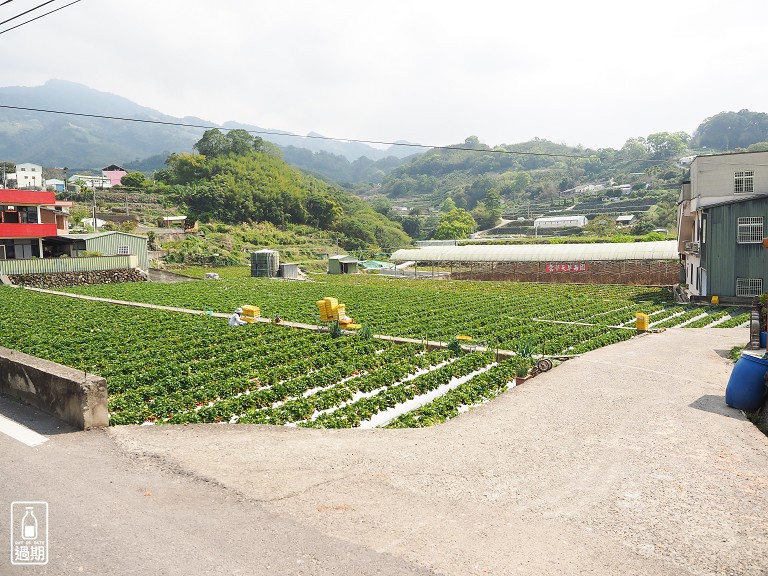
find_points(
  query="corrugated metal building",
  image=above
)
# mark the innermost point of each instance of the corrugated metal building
(107, 243)
(637, 263)
(341, 264)
(733, 260)
(64, 265)
(722, 212)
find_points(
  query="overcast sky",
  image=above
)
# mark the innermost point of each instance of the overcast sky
(433, 72)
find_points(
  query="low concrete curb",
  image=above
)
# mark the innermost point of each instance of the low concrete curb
(76, 397)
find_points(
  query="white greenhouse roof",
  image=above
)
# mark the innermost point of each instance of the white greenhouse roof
(560, 219)
(664, 250)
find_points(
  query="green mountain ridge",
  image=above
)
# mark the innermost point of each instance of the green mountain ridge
(57, 140)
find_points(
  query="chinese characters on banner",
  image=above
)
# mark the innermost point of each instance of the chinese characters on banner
(582, 267)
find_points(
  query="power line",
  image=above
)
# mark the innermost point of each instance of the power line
(314, 136)
(37, 17)
(27, 12)
(318, 137)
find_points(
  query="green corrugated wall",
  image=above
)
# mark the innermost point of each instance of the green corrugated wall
(57, 265)
(724, 258)
(108, 243)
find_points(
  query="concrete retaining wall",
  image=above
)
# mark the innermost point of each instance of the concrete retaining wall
(72, 395)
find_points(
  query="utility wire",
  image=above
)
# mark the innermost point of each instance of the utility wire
(314, 136)
(36, 18)
(318, 137)
(6, 2)
(27, 12)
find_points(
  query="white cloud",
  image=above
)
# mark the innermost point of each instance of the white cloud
(594, 72)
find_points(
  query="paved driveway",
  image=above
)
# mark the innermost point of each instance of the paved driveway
(623, 461)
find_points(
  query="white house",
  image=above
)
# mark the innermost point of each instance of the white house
(55, 184)
(91, 181)
(28, 176)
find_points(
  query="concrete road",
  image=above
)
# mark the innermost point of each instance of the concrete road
(623, 461)
(113, 512)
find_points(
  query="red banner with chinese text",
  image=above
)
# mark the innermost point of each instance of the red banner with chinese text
(563, 267)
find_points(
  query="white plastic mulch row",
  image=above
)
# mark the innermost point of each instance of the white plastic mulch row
(386, 416)
(467, 407)
(360, 395)
(724, 319)
(694, 319)
(675, 315)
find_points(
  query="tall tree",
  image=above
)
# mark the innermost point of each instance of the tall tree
(664, 145)
(729, 130)
(134, 180)
(213, 143)
(602, 225)
(455, 224)
(240, 142)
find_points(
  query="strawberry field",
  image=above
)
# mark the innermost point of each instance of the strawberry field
(509, 315)
(171, 367)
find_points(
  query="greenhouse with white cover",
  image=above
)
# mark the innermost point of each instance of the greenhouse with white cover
(635, 263)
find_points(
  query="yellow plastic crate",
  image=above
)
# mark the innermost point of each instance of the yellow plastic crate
(251, 311)
(641, 321)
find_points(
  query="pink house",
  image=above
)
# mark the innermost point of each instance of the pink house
(115, 173)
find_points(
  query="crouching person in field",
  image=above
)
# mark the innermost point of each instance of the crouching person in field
(235, 320)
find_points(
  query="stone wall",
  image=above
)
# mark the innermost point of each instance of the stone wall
(60, 279)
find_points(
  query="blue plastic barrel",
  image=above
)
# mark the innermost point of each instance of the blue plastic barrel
(746, 387)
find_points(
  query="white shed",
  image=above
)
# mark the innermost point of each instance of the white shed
(550, 222)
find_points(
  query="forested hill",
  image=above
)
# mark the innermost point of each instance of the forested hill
(535, 171)
(540, 170)
(237, 178)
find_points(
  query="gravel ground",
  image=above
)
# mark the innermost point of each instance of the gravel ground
(623, 461)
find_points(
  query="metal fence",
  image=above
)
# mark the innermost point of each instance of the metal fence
(58, 265)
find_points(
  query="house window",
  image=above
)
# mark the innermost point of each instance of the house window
(749, 286)
(123, 250)
(744, 181)
(750, 230)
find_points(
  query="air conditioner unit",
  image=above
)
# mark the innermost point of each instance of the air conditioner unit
(692, 247)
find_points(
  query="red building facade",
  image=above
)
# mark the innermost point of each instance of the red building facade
(26, 217)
